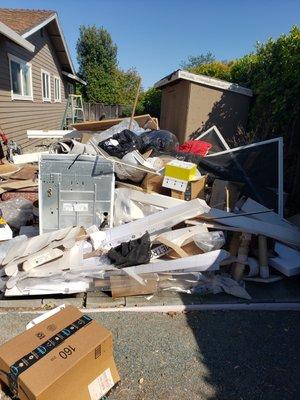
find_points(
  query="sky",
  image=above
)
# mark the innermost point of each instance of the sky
(156, 36)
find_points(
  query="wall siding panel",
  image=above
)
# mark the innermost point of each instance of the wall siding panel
(17, 116)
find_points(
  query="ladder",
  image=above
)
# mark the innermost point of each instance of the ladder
(74, 111)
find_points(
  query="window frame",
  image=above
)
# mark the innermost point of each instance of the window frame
(57, 78)
(70, 86)
(46, 99)
(21, 62)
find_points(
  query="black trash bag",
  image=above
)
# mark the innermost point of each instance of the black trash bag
(134, 252)
(160, 140)
(127, 142)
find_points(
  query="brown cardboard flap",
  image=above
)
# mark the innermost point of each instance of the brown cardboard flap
(64, 371)
(127, 286)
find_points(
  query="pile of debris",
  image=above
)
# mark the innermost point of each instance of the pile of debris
(119, 206)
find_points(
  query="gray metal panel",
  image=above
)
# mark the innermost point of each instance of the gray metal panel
(75, 190)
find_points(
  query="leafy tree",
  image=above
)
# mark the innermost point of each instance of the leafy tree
(196, 61)
(95, 48)
(98, 66)
(127, 84)
(150, 102)
(215, 69)
(272, 72)
(97, 58)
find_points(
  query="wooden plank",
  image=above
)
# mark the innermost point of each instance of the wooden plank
(40, 134)
(142, 120)
(28, 158)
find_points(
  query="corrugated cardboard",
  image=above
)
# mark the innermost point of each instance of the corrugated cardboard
(81, 367)
(195, 189)
(153, 183)
(127, 286)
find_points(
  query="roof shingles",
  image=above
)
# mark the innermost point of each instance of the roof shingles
(23, 20)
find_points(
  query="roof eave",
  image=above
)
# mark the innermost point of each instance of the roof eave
(74, 77)
(46, 22)
(16, 38)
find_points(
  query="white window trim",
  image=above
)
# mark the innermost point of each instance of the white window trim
(15, 96)
(56, 77)
(45, 99)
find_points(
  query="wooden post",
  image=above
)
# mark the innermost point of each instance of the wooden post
(227, 199)
(263, 257)
(135, 103)
(239, 266)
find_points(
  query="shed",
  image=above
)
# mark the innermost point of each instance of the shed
(193, 102)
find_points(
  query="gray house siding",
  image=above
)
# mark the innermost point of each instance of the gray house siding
(17, 116)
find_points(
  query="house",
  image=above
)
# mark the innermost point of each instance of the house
(36, 72)
(193, 102)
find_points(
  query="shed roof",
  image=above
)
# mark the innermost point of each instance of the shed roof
(204, 80)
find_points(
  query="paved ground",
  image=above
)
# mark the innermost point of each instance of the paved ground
(208, 355)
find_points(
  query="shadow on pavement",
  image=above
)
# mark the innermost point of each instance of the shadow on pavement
(248, 355)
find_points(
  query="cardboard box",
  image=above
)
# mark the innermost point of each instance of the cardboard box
(153, 183)
(195, 189)
(67, 356)
(127, 286)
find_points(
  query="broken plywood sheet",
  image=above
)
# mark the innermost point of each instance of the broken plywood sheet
(8, 169)
(251, 206)
(286, 234)
(16, 185)
(28, 172)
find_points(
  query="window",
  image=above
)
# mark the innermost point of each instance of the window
(57, 89)
(20, 79)
(70, 88)
(46, 89)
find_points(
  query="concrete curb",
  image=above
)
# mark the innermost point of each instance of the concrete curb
(173, 308)
(101, 301)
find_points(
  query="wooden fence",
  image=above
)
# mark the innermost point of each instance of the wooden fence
(97, 111)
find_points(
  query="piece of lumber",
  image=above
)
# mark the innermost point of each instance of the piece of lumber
(135, 103)
(144, 121)
(53, 134)
(27, 158)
